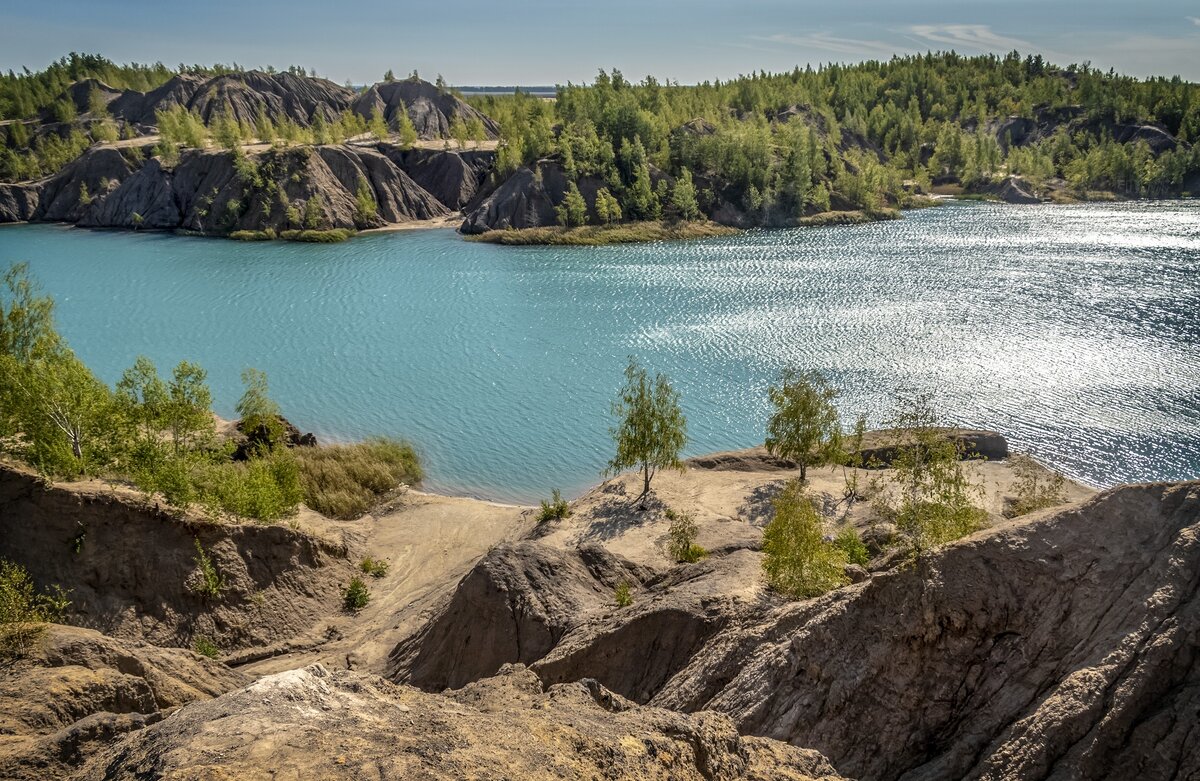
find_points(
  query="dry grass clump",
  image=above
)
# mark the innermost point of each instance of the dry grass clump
(344, 481)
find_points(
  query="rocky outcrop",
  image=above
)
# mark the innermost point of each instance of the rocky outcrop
(528, 199)
(1045, 122)
(313, 723)
(18, 202)
(431, 110)
(213, 192)
(131, 567)
(514, 606)
(99, 170)
(1061, 647)
(453, 177)
(242, 96)
(1010, 189)
(76, 690)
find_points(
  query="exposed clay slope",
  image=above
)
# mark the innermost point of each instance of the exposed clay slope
(454, 178)
(207, 192)
(135, 573)
(528, 199)
(1064, 646)
(78, 689)
(311, 723)
(430, 109)
(513, 606)
(278, 96)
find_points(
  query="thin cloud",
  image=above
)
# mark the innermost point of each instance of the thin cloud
(1193, 19)
(968, 36)
(832, 43)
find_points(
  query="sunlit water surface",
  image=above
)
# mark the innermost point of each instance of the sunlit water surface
(1073, 329)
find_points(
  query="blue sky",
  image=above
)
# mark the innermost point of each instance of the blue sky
(544, 42)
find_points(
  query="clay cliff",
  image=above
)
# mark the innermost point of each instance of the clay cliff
(431, 110)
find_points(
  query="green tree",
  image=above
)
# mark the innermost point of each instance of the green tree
(683, 197)
(804, 427)
(572, 212)
(404, 127)
(389, 76)
(260, 416)
(651, 429)
(378, 127)
(797, 560)
(459, 132)
(934, 500)
(365, 208)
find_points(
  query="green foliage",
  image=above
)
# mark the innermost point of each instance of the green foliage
(376, 568)
(1036, 488)
(623, 594)
(683, 197)
(332, 236)
(356, 596)
(178, 126)
(804, 427)
(206, 647)
(572, 213)
(600, 235)
(313, 214)
(608, 209)
(404, 128)
(365, 208)
(681, 538)
(934, 498)
(344, 481)
(555, 509)
(260, 415)
(797, 560)
(266, 488)
(850, 543)
(206, 581)
(24, 611)
(378, 127)
(651, 430)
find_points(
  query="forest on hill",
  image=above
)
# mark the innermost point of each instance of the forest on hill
(760, 149)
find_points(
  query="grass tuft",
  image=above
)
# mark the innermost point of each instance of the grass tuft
(598, 235)
(344, 481)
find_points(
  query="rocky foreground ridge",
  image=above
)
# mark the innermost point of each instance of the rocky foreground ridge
(1062, 644)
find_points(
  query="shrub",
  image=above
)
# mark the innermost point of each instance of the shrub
(1035, 487)
(331, 236)
(797, 561)
(554, 510)
(850, 543)
(248, 235)
(24, 612)
(934, 496)
(344, 481)
(206, 647)
(623, 595)
(682, 538)
(210, 582)
(355, 596)
(261, 489)
(376, 568)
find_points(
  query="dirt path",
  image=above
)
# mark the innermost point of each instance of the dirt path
(430, 542)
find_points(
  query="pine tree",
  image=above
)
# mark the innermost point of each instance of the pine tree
(683, 197)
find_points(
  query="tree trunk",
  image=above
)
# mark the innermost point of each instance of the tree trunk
(803, 472)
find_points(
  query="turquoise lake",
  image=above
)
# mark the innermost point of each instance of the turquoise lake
(1075, 330)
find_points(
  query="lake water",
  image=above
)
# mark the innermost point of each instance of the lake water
(1075, 330)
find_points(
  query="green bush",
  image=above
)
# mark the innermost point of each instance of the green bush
(850, 543)
(262, 489)
(355, 596)
(623, 595)
(344, 481)
(797, 561)
(206, 647)
(331, 236)
(1036, 488)
(376, 568)
(682, 538)
(554, 510)
(210, 582)
(24, 611)
(248, 235)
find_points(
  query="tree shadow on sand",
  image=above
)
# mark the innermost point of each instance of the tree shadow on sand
(620, 511)
(759, 507)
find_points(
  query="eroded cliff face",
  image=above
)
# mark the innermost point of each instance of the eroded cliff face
(1061, 645)
(131, 568)
(430, 109)
(216, 192)
(314, 723)
(77, 690)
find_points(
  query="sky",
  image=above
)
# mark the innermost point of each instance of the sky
(477, 42)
